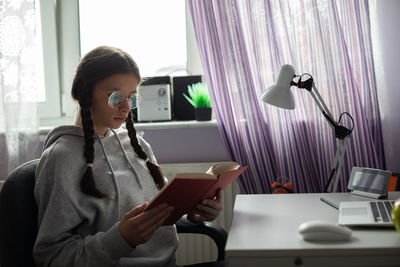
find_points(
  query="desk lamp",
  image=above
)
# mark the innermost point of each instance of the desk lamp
(279, 95)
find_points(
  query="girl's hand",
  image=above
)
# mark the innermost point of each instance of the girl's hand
(137, 226)
(207, 210)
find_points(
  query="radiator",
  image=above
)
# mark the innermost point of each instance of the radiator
(194, 248)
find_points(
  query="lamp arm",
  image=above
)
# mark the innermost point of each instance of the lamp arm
(340, 131)
(309, 85)
(322, 106)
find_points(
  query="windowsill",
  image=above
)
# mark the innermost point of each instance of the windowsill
(141, 126)
(174, 125)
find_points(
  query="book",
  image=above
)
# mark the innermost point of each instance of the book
(186, 190)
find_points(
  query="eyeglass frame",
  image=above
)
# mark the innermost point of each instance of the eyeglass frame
(137, 97)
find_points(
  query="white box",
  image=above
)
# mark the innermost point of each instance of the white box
(155, 104)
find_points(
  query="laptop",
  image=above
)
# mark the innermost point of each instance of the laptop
(366, 213)
(365, 206)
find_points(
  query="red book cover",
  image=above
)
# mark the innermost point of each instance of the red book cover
(223, 180)
(186, 190)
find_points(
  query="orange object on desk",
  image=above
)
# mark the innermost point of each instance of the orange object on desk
(394, 183)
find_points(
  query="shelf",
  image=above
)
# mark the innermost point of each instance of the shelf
(174, 125)
(141, 126)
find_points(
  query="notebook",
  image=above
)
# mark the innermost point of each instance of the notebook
(366, 213)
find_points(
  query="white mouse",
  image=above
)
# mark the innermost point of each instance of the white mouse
(324, 231)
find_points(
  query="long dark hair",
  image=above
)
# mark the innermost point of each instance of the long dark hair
(98, 64)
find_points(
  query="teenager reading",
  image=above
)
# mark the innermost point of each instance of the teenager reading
(94, 179)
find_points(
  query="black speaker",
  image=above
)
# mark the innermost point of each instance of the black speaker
(182, 109)
(156, 80)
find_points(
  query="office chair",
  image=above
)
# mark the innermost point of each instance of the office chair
(18, 220)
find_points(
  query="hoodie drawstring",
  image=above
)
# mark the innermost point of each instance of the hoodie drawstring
(112, 174)
(127, 159)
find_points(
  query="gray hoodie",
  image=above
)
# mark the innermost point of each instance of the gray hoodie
(80, 230)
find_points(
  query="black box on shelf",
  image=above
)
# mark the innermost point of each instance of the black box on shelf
(182, 109)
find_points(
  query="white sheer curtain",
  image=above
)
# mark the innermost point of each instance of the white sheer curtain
(19, 81)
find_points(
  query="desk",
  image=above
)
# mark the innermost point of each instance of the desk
(264, 232)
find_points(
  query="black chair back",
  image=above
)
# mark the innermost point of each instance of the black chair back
(18, 217)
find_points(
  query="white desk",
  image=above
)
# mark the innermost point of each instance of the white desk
(264, 232)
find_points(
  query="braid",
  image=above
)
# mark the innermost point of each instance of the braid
(95, 66)
(155, 170)
(88, 185)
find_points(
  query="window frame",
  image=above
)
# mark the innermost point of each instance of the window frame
(61, 52)
(51, 106)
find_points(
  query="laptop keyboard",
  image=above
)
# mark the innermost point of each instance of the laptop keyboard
(382, 210)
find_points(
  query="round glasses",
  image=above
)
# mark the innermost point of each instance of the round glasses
(117, 97)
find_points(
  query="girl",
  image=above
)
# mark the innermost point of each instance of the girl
(90, 176)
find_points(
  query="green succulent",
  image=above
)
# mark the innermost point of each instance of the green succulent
(199, 95)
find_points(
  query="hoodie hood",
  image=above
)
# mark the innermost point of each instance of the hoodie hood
(76, 131)
(57, 132)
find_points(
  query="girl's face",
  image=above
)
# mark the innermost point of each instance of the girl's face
(104, 116)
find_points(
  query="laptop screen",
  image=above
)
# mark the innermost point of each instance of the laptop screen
(369, 180)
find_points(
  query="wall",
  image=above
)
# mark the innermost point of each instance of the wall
(183, 145)
(388, 12)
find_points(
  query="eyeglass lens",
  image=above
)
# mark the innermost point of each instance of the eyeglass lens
(117, 97)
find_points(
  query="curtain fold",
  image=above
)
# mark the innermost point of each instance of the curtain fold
(242, 46)
(19, 84)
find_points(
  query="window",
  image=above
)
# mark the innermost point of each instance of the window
(21, 45)
(158, 34)
(153, 32)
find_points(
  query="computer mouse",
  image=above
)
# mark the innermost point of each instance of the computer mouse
(324, 231)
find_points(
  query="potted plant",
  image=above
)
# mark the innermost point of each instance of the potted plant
(199, 97)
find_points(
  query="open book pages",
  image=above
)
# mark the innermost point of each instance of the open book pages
(212, 173)
(221, 167)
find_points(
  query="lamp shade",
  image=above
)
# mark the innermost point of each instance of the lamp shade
(279, 94)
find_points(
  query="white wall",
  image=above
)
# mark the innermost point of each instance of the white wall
(388, 16)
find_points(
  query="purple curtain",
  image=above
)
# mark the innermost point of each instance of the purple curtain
(242, 46)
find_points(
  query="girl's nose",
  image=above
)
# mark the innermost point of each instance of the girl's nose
(125, 105)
